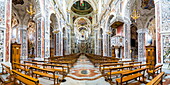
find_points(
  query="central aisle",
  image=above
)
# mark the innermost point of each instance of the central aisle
(84, 73)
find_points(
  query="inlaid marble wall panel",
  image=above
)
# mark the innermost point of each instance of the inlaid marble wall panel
(162, 14)
(24, 43)
(2, 30)
(166, 48)
(2, 13)
(39, 38)
(165, 15)
(2, 40)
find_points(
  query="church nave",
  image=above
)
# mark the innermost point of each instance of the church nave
(84, 42)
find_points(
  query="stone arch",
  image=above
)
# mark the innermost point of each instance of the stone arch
(108, 19)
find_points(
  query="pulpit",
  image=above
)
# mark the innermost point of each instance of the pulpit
(15, 52)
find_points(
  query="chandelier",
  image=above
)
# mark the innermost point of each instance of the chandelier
(31, 11)
(135, 14)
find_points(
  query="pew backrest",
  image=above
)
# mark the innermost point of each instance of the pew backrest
(157, 79)
(22, 77)
(5, 68)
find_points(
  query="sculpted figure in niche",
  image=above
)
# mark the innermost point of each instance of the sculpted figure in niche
(31, 30)
(15, 22)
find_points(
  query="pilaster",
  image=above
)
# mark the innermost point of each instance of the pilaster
(127, 42)
(141, 45)
(8, 6)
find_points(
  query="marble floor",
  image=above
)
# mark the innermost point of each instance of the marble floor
(83, 72)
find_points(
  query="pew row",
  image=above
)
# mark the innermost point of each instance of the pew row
(158, 79)
(130, 75)
(24, 78)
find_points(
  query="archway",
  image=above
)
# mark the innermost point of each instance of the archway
(54, 35)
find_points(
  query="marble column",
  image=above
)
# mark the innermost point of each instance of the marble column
(57, 45)
(99, 46)
(104, 44)
(24, 44)
(47, 38)
(141, 44)
(66, 44)
(61, 44)
(69, 41)
(98, 43)
(109, 51)
(127, 41)
(40, 37)
(95, 42)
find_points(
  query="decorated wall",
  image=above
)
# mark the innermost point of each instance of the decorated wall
(2, 30)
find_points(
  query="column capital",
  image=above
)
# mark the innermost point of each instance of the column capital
(145, 30)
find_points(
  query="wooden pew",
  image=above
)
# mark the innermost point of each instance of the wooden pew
(5, 70)
(118, 70)
(24, 78)
(152, 71)
(127, 62)
(62, 70)
(45, 73)
(136, 64)
(20, 67)
(108, 65)
(30, 63)
(158, 79)
(130, 75)
(68, 63)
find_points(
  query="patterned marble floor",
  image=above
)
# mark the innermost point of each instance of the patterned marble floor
(84, 73)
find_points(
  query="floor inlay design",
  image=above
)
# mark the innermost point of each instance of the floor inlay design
(84, 70)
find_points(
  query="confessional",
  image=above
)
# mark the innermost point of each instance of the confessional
(15, 52)
(52, 52)
(150, 55)
(113, 52)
